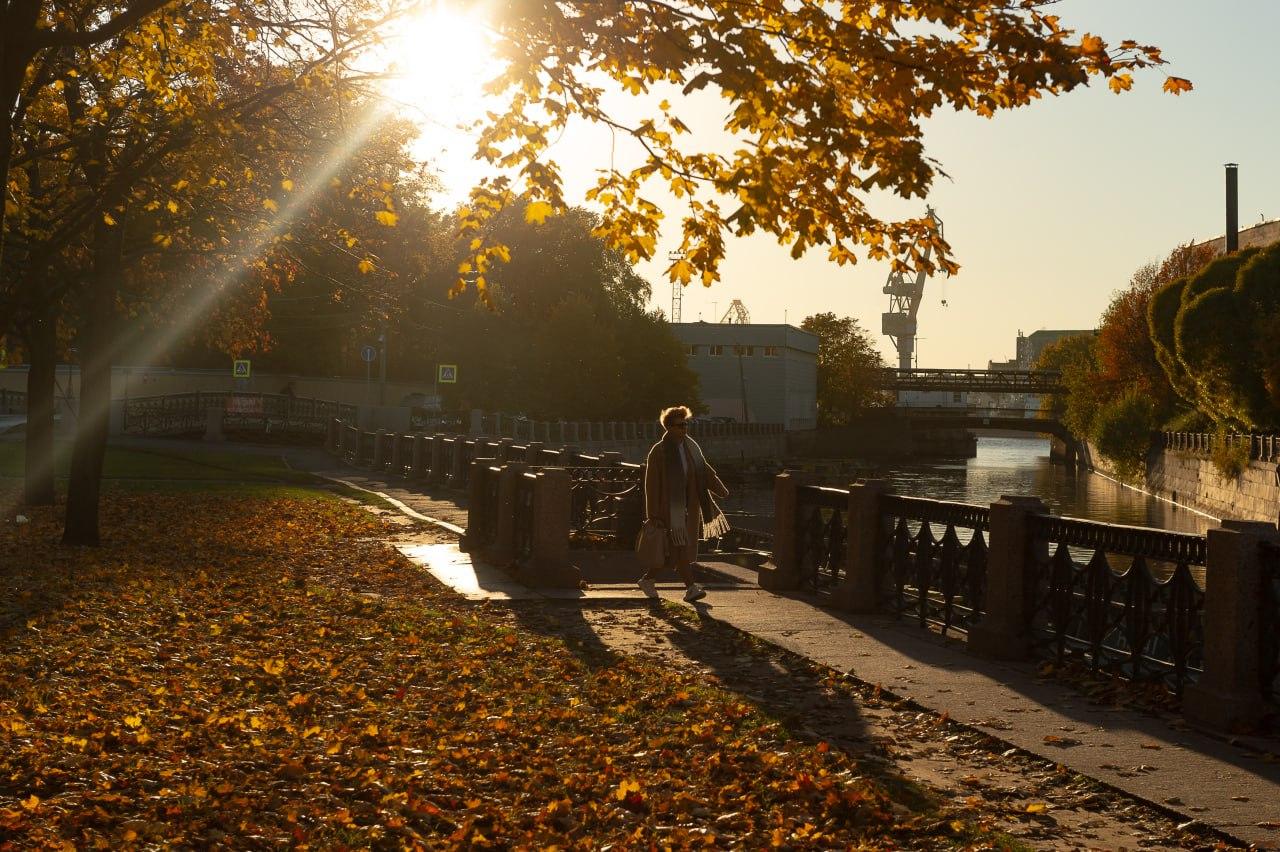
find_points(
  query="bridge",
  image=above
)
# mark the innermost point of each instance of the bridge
(988, 381)
(1000, 419)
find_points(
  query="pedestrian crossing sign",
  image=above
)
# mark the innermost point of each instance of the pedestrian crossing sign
(240, 368)
(448, 374)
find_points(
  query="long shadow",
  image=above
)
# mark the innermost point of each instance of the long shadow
(928, 649)
(782, 686)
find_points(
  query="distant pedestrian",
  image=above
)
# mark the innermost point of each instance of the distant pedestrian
(678, 490)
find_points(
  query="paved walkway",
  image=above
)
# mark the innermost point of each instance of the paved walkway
(1231, 785)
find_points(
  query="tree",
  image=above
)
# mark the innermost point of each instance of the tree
(847, 365)
(122, 109)
(1076, 359)
(825, 105)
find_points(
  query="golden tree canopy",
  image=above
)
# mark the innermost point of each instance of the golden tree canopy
(824, 102)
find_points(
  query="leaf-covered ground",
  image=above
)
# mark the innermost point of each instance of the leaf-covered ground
(256, 671)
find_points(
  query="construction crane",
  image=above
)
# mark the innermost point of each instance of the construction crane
(737, 314)
(899, 322)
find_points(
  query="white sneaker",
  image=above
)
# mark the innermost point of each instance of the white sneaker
(694, 593)
(646, 585)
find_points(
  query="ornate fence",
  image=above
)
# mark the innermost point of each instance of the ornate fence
(187, 413)
(606, 504)
(820, 536)
(1019, 583)
(1121, 598)
(934, 560)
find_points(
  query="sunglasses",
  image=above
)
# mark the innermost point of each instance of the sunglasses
(680, 424)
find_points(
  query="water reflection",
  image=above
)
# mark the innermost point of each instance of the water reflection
(1003, 466)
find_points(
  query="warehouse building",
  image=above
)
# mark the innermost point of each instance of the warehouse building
(754, 373)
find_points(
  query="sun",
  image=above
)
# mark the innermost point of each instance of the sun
(440, 60)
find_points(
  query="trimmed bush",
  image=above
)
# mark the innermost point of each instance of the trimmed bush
(1122, 432)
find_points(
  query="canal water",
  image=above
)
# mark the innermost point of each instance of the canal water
(1001, 466)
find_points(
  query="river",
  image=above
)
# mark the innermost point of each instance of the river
(1001, 466)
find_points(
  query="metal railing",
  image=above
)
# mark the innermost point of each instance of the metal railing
(185, 413)
(1123, 599)
(1264, 448)
(820, 536)
(606, 504)
(933, 563)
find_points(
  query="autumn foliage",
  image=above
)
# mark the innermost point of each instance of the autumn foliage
(250, 672)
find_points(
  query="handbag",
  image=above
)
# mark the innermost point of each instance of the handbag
(651, 546)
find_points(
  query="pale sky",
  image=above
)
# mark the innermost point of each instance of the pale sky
(1051, 208)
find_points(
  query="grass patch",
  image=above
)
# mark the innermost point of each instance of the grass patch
(262, 671)
(176, 469)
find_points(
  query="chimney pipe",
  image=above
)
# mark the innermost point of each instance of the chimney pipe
(1233, 210)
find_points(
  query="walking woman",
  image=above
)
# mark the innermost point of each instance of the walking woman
(678, 490)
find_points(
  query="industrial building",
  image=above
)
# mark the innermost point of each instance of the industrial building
(754, 373)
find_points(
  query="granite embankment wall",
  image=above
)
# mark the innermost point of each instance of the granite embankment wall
(1190, 479)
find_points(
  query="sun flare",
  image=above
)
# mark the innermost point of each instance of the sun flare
(441, 59)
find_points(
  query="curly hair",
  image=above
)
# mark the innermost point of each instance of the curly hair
(667, 413)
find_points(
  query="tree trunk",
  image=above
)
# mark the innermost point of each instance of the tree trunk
(41, 335)
(96, 350)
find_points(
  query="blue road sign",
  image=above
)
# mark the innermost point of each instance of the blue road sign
(368, 353)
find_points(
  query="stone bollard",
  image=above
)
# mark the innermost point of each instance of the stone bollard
(611, 459)
(397, 463)
(533, 453)
(550, 566)
(1228, 695)
(379, 451)
(503, 451)
(859, 589)
(418, 458)
(785, 573)
(435, 458)
(457, 475)
(503, 548)
(1005, 629)
(478, 510)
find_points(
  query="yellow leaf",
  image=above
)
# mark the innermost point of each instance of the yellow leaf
(173, 206)
(386, 217)
(1121, 83)
(371, 730)
(626, 788)
(365, 266)
(32, 802)
(1177, 85)
(106, 217)
(273, 667)
(312, 731)
(286, 185)
(537, 212)
(133, 721)
(1091, 44)
(180, 185)
(270, 205)
(1037, 808)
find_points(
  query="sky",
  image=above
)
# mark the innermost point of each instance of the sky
(1049, 209)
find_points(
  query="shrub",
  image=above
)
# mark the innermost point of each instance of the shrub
(1229, 458)
(1122, 431)
(1192, 420)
